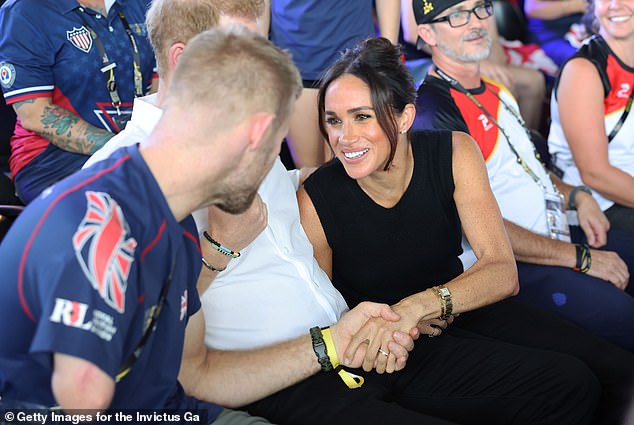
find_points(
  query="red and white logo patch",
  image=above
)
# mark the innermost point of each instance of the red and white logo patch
(104, 249)
(70, 313)
(80, 38)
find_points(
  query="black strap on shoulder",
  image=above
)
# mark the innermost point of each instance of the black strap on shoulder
(150, 326)
(108, 67)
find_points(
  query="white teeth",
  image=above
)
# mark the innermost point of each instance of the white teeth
(620, 18)
(353, 155)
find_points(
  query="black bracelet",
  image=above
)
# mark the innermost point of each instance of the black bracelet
(584, 259)
(219, 247)
(319, 347)
(572, 205)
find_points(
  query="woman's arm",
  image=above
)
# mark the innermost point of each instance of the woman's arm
(60, 126)
(408, 22)
(388, 14)
(587, 137)
(494, 276)
(553, 9)
(315, 232)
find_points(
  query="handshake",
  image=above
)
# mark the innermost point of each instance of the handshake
(375, 336)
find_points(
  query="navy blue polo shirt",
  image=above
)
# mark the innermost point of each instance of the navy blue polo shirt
(46, 51)
(83, 267)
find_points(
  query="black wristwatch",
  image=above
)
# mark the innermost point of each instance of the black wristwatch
(572, 205)
(319, 347)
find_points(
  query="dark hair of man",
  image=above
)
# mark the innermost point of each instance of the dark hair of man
(377, 62)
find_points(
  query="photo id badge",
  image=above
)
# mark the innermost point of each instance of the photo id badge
(556, 218)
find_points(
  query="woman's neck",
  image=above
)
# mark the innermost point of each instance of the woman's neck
(386, 188)
(622, 48)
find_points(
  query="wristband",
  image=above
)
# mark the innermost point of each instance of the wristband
(572, 205)
(584, 259)
(330, 347)
(219, 247)
(319, 347)
(329, 357)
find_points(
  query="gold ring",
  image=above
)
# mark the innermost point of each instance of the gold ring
(384, 353)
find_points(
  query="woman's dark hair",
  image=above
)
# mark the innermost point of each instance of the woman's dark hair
(377, 62)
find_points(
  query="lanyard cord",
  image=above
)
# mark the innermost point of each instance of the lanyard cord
(150, 326)
(108, 68)
(455, 84)
(624, 115)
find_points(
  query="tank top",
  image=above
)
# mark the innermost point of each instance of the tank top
(385, 254)
(618, 80)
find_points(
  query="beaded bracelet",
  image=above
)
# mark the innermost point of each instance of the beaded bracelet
(219, 247)
(584, 259)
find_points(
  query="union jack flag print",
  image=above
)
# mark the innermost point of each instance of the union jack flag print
(104, 249)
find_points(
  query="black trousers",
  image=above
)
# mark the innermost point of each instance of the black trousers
(504, 364)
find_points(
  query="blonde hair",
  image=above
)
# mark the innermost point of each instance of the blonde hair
(173, 21)
(234, 73)
(248, 9)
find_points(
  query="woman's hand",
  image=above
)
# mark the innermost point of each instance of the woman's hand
(350, 336)
(433, 327)
(592, 220)
(380, 336)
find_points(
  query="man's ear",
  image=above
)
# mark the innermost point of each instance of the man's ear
(259, 123)
(174, 53)
(427, 34)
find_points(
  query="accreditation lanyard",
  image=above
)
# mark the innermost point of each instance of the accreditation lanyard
(623, 117)
(555, 214)
(108, 67)
(150, 326)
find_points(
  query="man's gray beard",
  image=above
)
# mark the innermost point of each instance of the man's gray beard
(467, 57)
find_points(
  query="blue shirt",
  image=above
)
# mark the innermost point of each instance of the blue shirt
(83, 266)
(317, 31)
(46, 51)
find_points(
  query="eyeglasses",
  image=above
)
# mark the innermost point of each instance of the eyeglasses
(462, 17)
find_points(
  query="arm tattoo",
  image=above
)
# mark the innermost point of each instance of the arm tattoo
(17, 105)
(97, 137)
(58, 120)
(66, 130)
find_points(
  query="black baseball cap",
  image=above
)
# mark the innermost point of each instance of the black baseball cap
(426, 11)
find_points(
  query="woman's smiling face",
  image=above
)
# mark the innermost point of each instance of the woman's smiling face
(354, 133)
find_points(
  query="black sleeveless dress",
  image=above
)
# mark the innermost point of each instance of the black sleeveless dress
(385, 254)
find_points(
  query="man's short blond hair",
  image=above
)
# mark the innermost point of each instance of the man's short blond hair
(247, 9)
(173, 21)
(234, 73)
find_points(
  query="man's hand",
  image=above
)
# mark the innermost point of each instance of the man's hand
(592, 220)
(607, 265)
(347, 338)
(236, 231)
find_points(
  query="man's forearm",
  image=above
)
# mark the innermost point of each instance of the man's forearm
(61, 127)
(236, 378)
(530, 247)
